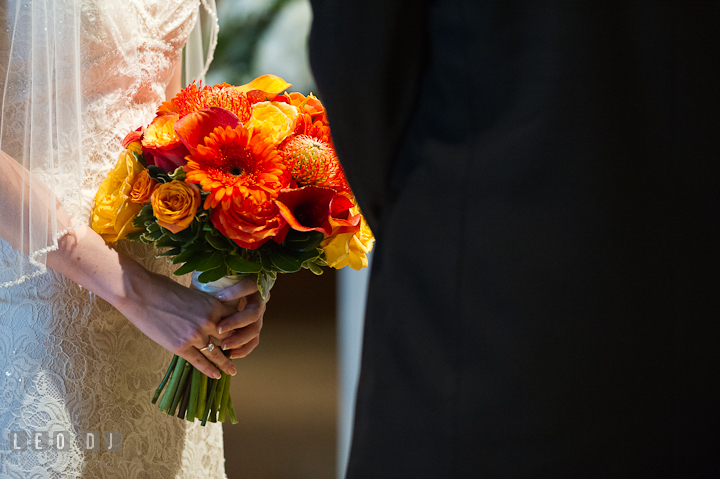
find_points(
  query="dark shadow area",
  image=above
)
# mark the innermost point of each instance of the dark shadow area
(285, 392)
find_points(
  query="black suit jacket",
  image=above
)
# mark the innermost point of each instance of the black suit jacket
(543, 181)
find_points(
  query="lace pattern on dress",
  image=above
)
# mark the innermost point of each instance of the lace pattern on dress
(69, 361)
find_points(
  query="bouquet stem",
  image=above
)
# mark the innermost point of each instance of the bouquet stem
(186, 398)
(180, 388)
(195, 393)
(188, 391)
(213, 388)
(167, 376)
(169, 393)
(202, 397)
(224, 401)
(231, 411)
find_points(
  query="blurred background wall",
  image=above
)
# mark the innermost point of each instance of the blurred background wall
(294, 394)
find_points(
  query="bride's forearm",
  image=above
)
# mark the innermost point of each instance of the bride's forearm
(82, 256)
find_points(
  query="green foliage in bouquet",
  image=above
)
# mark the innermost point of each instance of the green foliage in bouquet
(201, 247)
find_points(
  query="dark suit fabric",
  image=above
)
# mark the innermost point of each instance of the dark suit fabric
(542, 179)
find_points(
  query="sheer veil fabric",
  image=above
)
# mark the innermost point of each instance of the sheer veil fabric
(50, 54)
(75, 77)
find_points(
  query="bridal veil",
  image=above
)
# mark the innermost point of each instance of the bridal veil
(42, 60)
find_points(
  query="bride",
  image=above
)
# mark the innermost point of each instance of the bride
(85, 342)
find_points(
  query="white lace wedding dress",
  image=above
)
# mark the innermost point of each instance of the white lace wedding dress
(68, 360)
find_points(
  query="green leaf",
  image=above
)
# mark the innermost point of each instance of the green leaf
(315, 268)
(241, 265)
(190, 265)
(309, 255)
(217, 241)
(212, 261)
(170, 252)
(158, 174)
(178, 174)
(140, 158)
(186, 236)
(145, 217)
(213, 274)
(166, 241)
(265, 252)
(137, 236)
(189, 252)
(154, 232)
(320, 261)
(265, 281)
(285, 261)
(303, 241)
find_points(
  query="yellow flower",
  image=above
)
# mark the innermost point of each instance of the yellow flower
(270, 84)
(135, 146)
(113, 212)
(349, 248)
(174, 204)
(275, 120)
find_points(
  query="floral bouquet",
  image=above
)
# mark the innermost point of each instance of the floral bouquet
(233, 181)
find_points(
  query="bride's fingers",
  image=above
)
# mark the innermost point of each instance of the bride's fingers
(254, 310)
(245, 287)
(243, 335)
(218, 358)
(245, 349)
(201, 363)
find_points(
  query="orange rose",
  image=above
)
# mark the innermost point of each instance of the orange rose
(250, 225)
(175, 204)
(143, 188)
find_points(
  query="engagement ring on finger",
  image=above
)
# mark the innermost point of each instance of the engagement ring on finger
(210, 346)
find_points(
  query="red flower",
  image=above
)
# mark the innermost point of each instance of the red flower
(250, 225)
(316, 209)
(133, 136)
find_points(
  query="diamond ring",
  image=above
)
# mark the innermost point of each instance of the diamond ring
(210, 346)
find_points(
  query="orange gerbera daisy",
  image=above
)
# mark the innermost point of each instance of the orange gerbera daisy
(192, 99)
(236, 168)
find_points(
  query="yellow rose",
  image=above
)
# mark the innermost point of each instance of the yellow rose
(143, 188)
(113, 212)
(349, 248)
(274, 119)
(174, 204)
(135, 146)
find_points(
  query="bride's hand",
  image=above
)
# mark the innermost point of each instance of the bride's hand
(244, 326)
(180, 319)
